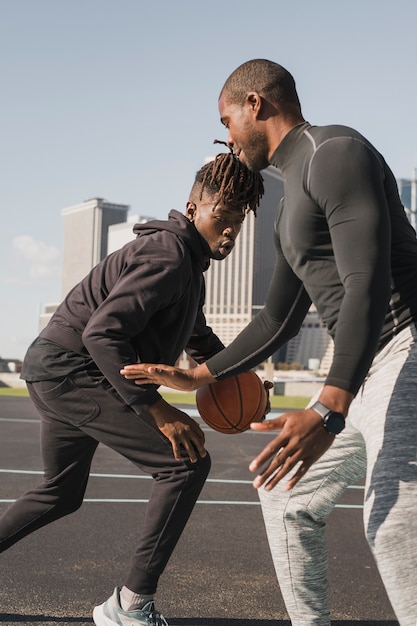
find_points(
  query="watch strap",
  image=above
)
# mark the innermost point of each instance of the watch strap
(320, 408)
(333, 421)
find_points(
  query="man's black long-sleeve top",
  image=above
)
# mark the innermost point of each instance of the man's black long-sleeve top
(343, 242)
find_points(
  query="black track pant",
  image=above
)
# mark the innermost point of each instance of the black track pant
(76, 414)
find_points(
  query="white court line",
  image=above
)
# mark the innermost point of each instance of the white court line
(206, 429)
(190, 411)
(144, 501)
(217, 502)
(19, 419)
(146, 477)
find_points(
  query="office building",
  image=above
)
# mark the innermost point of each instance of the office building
(86, 227)
(308, 348)
(236, 287)
(86, 237)
(119, 234)
(408, 193)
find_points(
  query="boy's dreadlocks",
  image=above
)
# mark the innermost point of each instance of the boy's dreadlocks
(232, 181)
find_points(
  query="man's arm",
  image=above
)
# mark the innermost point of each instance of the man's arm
(348, 184)
(286, 306)
(169, 376)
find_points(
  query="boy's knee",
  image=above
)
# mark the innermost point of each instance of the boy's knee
(66, 506)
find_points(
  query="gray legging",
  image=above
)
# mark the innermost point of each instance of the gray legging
(77, 413)
(380, 441)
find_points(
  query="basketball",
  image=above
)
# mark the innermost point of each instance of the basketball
(230, 405)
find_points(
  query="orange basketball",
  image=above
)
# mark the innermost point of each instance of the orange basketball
(230, 405)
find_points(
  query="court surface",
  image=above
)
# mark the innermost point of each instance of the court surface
(221, 573)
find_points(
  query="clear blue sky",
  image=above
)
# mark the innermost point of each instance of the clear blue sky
(118, 99)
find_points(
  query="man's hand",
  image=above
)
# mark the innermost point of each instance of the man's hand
(302, 440)
(181, 430)
(174, 377)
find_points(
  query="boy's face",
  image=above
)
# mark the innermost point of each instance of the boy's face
(218, 224)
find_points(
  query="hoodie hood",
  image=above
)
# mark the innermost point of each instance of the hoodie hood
(180, 226)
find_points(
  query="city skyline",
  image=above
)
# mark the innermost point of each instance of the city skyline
(235, 288)
(119, 101)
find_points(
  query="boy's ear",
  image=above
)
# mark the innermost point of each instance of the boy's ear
(190, 210)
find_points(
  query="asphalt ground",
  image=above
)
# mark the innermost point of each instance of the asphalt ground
(221, 571)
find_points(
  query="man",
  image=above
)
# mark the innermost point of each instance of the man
(144, 301)
(344, 243)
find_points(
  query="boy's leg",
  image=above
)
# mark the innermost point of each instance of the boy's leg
(66, 455)
(76, 414)
(174, 492)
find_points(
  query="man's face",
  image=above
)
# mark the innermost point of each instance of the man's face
(249, 143)
(218, 224)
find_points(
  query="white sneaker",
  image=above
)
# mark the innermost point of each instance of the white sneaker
(110, 613)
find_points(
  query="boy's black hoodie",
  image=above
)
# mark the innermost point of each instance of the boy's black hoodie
(142, 303)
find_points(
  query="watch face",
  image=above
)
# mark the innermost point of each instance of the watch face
(334, 422)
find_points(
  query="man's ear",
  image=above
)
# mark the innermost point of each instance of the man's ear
(190, 210)
(254, 101)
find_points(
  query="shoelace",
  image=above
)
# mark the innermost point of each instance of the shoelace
(154, 616)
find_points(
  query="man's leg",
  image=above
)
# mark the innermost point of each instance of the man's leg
(295, 526)
(388, 422)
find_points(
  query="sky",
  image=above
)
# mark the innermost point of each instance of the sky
(118, 99)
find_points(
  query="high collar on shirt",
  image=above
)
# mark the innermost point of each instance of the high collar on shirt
(282, 154)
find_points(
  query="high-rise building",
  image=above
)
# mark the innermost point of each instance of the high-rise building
(408, 193)
(85, 237)
(311, 343)
(122, 233)
(86, 227)
(236, 287)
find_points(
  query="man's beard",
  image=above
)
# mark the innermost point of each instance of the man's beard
(256, 152)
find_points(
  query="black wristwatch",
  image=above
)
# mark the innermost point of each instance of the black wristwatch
(333, 421)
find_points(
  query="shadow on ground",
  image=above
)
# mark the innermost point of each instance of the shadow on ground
(49, 620)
